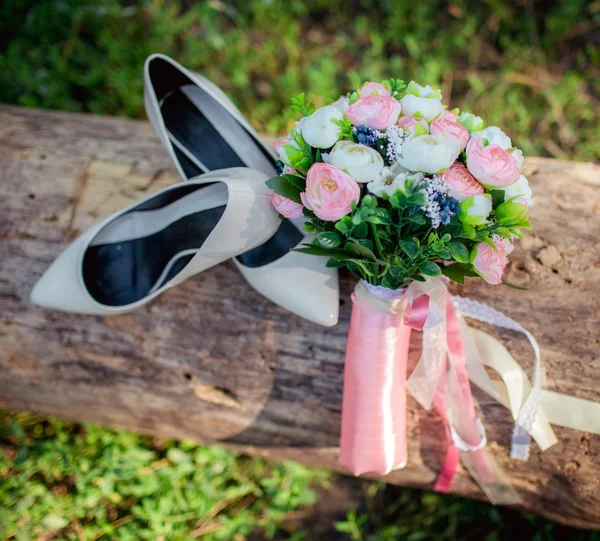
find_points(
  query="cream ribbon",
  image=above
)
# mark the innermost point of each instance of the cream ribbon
(555, 408)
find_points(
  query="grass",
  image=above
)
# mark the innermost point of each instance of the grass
(531, 67)
(60, 480)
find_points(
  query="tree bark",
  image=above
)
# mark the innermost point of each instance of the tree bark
(213, 361)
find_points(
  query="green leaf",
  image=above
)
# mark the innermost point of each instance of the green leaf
(282, 186)
(398, 200)
(409, 247)
(334, 263)
(497, 197)
(313, 249)
(459, 251)
(328, 239)
(458, 271)
(357, 249)
(357, 218)
(366, 243)
(503, 232)
(295, 180)
(360, 231)
(467, 231)
(418, 219)
(345, 225)
(369, 201)
(381, 216)
(429, 268)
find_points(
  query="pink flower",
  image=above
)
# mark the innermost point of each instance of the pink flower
(377, 112)
(450, 130)
(329, 192)
(411, 125)
(449, 115)
(490, 165)
(373, 89)
(462, 183)
(286, 207)
(490, 263)
(281, 142)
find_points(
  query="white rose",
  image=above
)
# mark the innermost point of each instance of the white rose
(470, 121)
(494, 136)
(342, 104)
(518, 155)
(361, 162)
(520, 188)
(476, 209)
(320, 130)
(429, 108)
(389, 182)
(428, 153)
(422, 91)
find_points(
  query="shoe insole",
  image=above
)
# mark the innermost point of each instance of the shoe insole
(208, 134)
(143, 249)
(208, 137)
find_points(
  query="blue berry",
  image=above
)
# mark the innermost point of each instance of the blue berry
(279, 167)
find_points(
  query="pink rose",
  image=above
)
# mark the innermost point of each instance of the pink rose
(286, 207)
(278, 144)
(449, 115)
(373, 89)
(490, 263)
(450, 130)
(410, 124)
(329, 192)
(462, 183)
(492, 166)
(377, 112)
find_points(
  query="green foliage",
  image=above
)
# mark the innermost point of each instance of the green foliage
(394, 514)
(532, 71)
(68, 481)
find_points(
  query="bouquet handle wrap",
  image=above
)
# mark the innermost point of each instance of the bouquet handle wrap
(373, 432)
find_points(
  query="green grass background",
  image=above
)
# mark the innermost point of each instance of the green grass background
(531, 67)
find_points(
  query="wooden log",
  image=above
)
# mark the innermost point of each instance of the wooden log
(213, 361)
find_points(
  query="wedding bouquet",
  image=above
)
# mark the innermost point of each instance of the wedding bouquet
(400, 190)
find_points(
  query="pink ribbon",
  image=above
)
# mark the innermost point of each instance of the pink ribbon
(373, 431)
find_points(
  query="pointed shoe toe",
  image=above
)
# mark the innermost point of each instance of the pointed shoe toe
(299, 283)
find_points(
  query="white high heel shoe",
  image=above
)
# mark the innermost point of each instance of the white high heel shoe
(130, 258)
(203, 130)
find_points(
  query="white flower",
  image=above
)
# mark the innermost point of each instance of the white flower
(428, 108)
(494, 136)
(361, 162)
(422, 91)
(288, 150)
(428, 153)
(521, 189)
(388, 182)
(476, 209)
(518, 155)
(470, 121)
(321, 130)
(342, 104)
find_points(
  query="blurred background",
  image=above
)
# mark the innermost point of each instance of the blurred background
(529, 66)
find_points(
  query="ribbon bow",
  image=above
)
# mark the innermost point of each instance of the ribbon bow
(374, 411)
